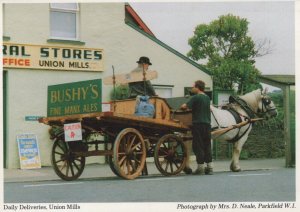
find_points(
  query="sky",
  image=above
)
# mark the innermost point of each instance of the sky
(174, 23)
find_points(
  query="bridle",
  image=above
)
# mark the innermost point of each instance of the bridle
(265, 102)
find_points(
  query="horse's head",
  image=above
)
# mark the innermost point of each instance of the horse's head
(266, 107)
(260, 103)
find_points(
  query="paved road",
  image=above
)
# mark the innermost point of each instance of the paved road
(265, 185)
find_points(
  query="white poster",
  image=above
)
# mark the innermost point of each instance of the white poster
(73, 132)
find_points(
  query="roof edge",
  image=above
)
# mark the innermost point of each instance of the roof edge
(201, 67)
(265, 77)
(138, 19)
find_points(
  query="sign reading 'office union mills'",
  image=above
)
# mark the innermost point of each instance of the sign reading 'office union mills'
(52, 57)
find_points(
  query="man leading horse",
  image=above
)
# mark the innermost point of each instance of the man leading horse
(201, 129)
(240, 109)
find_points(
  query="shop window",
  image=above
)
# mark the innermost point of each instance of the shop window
(64, 21)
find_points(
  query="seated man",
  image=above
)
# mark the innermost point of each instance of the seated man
(141, 87)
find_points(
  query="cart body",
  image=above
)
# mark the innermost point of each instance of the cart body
(128, 140)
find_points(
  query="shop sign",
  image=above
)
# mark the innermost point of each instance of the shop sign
(73, 132)
(28, 151)
(52, 57)
(74, 98)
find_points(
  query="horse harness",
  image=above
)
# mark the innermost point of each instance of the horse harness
(237, 116)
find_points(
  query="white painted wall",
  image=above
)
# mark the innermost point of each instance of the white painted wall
(101, 26)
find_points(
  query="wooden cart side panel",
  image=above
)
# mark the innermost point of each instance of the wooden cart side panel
(124, 107)
(127, 107)
(143, 121)
(123, 119)
(184, 117)
(75, 117)
(162, 110)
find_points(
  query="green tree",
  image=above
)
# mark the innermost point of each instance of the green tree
(229, 52)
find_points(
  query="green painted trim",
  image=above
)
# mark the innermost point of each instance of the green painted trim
(216, 93)
(206, 89)
(292, 130)
(201, 67)
(158, 85)
(5, 78)
(72, 42)
(6, 38)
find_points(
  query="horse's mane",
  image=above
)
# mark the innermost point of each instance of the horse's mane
(252, 99)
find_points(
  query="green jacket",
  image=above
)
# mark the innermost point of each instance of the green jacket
(200, 106)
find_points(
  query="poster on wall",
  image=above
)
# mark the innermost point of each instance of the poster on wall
(29, 153)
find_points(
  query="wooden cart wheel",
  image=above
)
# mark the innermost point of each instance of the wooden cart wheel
(66, 165)
(112, 165)
(129, 153)
(170, 155)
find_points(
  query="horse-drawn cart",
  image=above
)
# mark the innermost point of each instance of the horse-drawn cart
(131, 139)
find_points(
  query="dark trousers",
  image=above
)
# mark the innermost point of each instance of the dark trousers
(202, 142)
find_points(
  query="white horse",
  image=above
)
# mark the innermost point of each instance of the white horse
(255, 103)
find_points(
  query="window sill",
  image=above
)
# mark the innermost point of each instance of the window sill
(6, 38)
(166, 86)
(72, 42)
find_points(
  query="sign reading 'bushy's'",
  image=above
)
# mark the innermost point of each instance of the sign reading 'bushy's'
(74, 98)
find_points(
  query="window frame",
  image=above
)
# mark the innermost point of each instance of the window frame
(63, 10)
(160, 86)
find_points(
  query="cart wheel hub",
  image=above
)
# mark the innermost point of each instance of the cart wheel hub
(68, 156)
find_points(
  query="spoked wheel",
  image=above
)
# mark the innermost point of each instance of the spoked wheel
(129, 153)
(112, 164)
(66, 164)
(170, 155)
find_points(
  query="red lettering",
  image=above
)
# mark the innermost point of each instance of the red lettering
(16, 62)
(72, 127)
(72, 134)
(27, 62)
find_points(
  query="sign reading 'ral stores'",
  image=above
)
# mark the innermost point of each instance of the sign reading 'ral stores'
(52, 57)
(74, 98)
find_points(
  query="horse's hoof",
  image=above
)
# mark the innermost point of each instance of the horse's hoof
(188, 170)
(233, 169)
